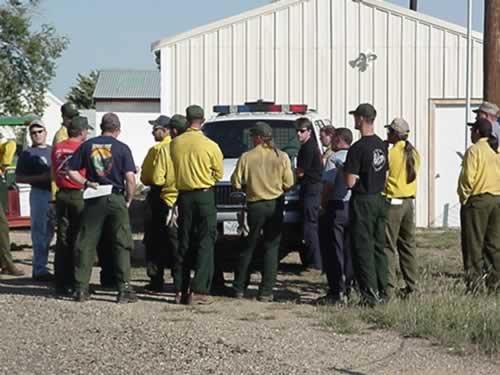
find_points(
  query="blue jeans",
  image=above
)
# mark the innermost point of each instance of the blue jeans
(41, 229)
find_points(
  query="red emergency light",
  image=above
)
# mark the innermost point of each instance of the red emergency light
(260, 106)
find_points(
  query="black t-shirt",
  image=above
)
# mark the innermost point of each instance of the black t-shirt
(309, 160)
(367, 158)
(105, 159)
(35, 161)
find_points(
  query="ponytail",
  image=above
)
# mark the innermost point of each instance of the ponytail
(493, 142)
(268, 141)
(410, 153)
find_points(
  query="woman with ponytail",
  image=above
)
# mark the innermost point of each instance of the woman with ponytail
(479, 194)
(401, 189)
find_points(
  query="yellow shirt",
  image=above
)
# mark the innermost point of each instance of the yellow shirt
(198, 161)
(61, 135)
(328, 152)
(263, 174)
(165, 167)
(480, 171)
(7, 152)
(148, 170)
(396, 185)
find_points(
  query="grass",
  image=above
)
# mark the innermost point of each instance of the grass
(441, 311)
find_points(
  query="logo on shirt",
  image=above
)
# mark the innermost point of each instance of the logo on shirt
(378, 159)
(102, 159)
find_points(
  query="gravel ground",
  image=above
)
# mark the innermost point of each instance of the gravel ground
(45, 335)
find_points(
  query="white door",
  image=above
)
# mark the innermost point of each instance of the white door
(450, 140)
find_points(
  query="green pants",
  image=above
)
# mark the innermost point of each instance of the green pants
(264, 217)
(113, 211)
(69, 208)
(197, 234)
(5, 255)
(400, 241)
(480, 221)
(367, 216)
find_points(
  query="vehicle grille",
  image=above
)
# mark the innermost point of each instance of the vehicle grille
(222, 193)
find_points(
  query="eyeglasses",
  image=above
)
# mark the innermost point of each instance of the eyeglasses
(302, 130)
(37, 132)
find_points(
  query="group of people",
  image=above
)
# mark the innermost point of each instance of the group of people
(357, 204)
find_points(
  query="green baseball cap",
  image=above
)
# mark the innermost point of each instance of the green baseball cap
(178, 122)
(365, 110)
(69, 110)
(80, 123)
(194, 112)
(262, 129)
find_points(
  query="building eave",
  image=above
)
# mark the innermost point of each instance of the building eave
(270, 8)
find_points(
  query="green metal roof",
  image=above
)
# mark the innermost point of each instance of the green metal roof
(12, 120)
(128, 84)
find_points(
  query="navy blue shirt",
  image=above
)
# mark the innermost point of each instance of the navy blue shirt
(35, 161)
(105, 159)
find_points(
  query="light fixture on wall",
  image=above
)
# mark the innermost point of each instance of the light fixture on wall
(363, 61)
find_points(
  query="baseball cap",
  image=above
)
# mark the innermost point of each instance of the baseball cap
(399, 125)
(80, 123)
(161, 122)
(178, 122)
(365, 110)
(487, 107)
(262, 129)
(480, 123)
(69, 110)
(110, 119)
(36, 123)
(194, 112)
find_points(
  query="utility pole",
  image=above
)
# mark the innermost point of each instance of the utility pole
(492, 51)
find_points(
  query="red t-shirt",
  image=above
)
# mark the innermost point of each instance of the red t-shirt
(61, 153)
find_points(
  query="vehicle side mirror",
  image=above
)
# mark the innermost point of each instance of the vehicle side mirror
(238, 197)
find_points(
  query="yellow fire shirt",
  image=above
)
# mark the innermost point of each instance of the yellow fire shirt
(396, 185)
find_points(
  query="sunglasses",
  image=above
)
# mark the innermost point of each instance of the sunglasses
(36, 132)
(302, 130)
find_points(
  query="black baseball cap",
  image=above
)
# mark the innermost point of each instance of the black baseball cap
(161, 122)
(365, 110)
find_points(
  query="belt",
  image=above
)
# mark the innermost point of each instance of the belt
(197, 190)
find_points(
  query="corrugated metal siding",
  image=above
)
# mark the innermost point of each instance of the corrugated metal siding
(128, 84)
(302, 52)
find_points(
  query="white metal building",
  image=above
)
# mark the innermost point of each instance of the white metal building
(313, 52)
(134, 95)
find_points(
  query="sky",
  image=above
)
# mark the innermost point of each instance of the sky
(110, 34)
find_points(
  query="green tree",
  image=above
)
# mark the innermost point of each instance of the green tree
(27, 58)
(83, 93)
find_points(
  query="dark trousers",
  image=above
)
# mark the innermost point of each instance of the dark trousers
(367, 216)
(310, 196)
(5, 255)
(69, 208)
(264, 218)
(112, 210)
(335, 247)
(480, 222)
(400, 241)
(162, 244)
(197, 234)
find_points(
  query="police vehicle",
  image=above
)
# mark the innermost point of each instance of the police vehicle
(229, 128)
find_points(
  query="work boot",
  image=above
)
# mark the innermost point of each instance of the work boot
(12, 271)
(127, 295)
(154, 287)
(198, 299)
(81, 295)
(178, 298)
(265, 299)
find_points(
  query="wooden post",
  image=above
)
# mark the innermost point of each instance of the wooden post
(492, 51)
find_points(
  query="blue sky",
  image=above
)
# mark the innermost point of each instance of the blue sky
(118, 33)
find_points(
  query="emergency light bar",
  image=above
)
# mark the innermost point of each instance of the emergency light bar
(260, 106)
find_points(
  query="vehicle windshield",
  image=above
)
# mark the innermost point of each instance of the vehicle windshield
(233, 137)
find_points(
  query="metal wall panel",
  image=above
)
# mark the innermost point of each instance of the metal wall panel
(305, 51)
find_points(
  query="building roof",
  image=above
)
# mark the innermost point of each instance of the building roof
(128, 84)
(277, 5)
